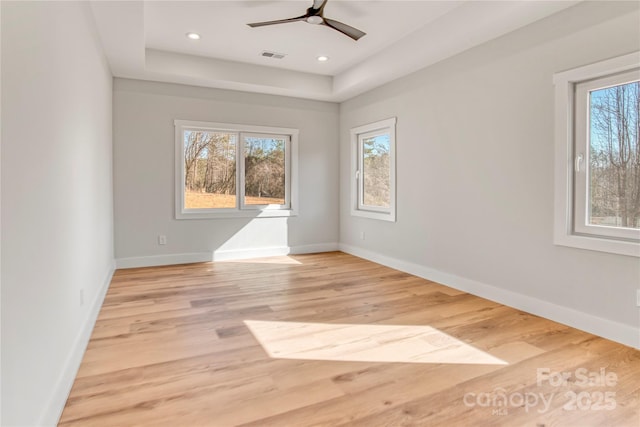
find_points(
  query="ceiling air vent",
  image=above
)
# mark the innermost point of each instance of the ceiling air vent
(274, 55)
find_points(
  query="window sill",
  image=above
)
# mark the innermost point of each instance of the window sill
(599, 244)
(383, 216)
(231, 213)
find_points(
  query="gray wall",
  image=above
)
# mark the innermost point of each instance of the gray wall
(144, 171)
(57, 210)
(475, 162)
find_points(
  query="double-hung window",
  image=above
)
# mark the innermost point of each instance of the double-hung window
(225, 170)
(598, 156)
(373, 170)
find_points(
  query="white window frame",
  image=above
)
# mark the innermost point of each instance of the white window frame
(290, 208)
(358, 134)
(570, 202)
(287, 175)
(582, 157)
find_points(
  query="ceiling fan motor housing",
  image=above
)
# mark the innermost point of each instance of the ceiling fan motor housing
(315, 19)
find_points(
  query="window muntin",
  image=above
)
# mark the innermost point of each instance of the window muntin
(607, 157)
(225, 170)
(373, 170)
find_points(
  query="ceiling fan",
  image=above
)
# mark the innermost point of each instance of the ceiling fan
(315, 16)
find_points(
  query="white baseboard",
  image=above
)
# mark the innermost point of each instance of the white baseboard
(605, 328)
(315, 248)
(223, 255)
(156, 260)
(277, 251)
(53, 410)
(249, 253)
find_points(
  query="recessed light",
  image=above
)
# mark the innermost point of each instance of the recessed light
(322, 58)
(193, 36)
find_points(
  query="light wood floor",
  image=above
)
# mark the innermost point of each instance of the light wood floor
(175, 346)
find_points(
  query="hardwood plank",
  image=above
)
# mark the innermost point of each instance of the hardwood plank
(171, 348)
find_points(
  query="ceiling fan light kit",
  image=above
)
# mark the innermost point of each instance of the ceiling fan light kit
(315, 20)
(315, 16)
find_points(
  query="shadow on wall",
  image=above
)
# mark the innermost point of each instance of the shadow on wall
(202, 240)
(254, 237)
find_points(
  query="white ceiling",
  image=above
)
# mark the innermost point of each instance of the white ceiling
(146, 40)
(225, 34)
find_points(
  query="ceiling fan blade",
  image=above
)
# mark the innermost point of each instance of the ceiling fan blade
(345, 29)
(280, 21)
(319, 4)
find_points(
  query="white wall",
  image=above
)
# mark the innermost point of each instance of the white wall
(0, 211)
(475, 174)
(144, 174)
(57, 210)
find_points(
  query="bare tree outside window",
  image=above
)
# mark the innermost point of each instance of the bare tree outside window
(376, 171)
(264, 173)
(210, 169)
(226, 170)
(614, 157)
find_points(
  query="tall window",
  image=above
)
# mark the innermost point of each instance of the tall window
(607, 196)
(227, 170)
(603, 171)
(373, 170)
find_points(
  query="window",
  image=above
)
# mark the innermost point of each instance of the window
(373, 170)
(225, 170)
(598, 156)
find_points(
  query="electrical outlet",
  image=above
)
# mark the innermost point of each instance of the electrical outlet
(162, 239)
(362, 235)
(81, 297)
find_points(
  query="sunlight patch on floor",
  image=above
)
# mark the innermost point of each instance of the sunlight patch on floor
(365, 343)
(266, 260)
